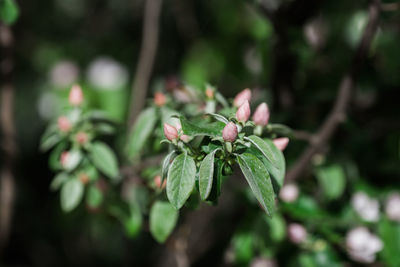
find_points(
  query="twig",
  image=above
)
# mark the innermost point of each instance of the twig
(146, 58)
(8, 134)
(338, 112)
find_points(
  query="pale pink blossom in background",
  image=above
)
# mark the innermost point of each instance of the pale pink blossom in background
(261, 115)
(241, 97)
(367, 208)
(289, 193)
(362, 245)
(392, 207)
(281, 143)
(75, 95)
(297, 233)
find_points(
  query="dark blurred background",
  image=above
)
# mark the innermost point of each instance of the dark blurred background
(294, 58)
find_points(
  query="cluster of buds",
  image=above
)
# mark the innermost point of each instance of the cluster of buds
(175, 133)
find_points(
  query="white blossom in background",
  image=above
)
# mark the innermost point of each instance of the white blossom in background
(367, 208)
(263, 262)
(289, 193)
(105, 73)
(362, 245)
(392, 207)
(297, 233)
(64, 74)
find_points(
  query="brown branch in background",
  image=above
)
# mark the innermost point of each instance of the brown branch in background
(146, 58)
(338, 112)
(8, 146)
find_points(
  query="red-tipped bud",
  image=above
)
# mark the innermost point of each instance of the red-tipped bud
(81, 138)
(243, 113)
(75, 95)
(261, 116)
(170, 132)
(210, 93)
(297, 233)
(157, 182)
(230, 132)
(64, 158)
(64, 125)
(159, 99)
(241, 97)
(281, 143)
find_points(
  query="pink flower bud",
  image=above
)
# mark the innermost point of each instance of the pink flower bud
(297, 233)
(243, 113)
(81, 138)
(261, 116)
(157, 182)
(241, 97)
(64, 125)
(75, 95)
(209, 93)
(64, 158)
(159, 99)
(230, 132)
(289, 193)
(170, 132)
(281, 143)
(84, 178)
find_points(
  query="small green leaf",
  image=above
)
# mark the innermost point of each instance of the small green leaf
(58, 181)
(275, 162)
(389, 232)
(280, 129)
(163, 218)
(219, 117)
(141, 131)
(104, 159)
(49, 142)
(133, 222)
(9, 11)
(71, 194)
(94, 196)
(181, 180)
(166, 163)
(332, 180)
(201, 128)
(258, 178)
(206, 174)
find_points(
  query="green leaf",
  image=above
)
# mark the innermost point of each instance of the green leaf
(277, 226)
(389, 232)
(166, 163)
(74, 158)
(58, 181)
(258, 178)
(201, 128)
(71, 194)
(141, 131)
(163, 218)
(9, 11)
(219, 117)
(275, 162)
(332, 179)
(104, 159)
(94, 196)
(133, 222)
(181, 180)
(280, 129)
(206, 174)
(50, 141)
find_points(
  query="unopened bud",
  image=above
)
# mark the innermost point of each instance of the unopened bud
(261, 115)
(81, 138)
(157, 182)
(241, 97)
(170, 132)
(243, 113)
(297, 233)
(84, 178)
(210, 93)
(185, 138)
(64, 125)
(75, 95)
(281, 143)
(159, 99)
(230, 132)
(289, 193)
